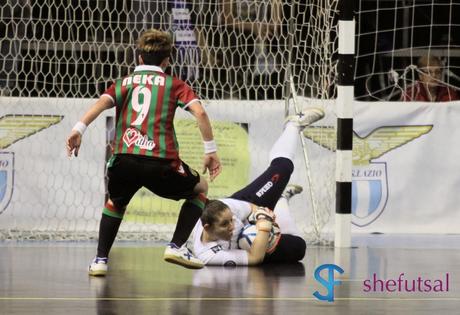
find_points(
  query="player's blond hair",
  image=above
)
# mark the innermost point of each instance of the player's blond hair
(154, 46)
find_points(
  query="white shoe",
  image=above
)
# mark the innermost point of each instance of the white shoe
(291, 190)
(306, 117)
(182, 256)
(98, 267)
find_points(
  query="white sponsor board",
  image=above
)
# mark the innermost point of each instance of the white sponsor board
(405, 177)
(413, 181)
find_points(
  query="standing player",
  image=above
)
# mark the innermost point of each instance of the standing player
(215, 238)
(145, 151)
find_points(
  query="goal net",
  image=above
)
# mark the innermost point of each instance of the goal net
(394, 35)
(250, 61)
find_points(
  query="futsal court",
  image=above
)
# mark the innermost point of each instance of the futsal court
(379, 171)
(51, 278)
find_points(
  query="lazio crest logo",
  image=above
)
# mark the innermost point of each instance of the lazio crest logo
(370, 184)
(12, 129)
(6, 179)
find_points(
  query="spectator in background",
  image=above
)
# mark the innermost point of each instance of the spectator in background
(429, 87)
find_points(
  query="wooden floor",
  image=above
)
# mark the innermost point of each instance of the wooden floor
(50, 278)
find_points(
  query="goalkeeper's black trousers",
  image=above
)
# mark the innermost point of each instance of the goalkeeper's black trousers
(265, 191)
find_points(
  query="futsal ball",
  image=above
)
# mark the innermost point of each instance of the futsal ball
(248, 234)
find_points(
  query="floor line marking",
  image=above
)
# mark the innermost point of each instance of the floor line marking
(222, 299)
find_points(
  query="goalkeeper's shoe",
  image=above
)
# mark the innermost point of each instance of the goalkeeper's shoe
(306, 117)
(291, 190)
(182, 256)
(98, 267)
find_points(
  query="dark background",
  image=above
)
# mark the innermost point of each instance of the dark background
(96, 43)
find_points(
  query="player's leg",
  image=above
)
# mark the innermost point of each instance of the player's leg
(266, 189)
(287, 143)
(176, 252)
(290, 248)
(122, 185)
(190, 212)
(179, 181)
(283, 215)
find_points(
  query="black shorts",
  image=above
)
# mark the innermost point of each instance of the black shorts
(172, 179)
(290, 249)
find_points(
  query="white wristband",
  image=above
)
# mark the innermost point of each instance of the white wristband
(79, 127)
(210, 146)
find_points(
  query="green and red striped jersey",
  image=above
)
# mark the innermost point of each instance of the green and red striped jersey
(146, 102)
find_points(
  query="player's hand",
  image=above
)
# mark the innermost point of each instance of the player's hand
(73, 143)
(212, 164)
(264, 225)
(261, 213)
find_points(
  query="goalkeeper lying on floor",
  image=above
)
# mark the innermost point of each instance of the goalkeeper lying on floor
(215, 236)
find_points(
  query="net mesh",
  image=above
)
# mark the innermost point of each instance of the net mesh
(57, 56)
(393, 35)
(224, 49)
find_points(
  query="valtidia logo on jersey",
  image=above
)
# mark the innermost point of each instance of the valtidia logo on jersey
(134, 136)
(12, 129)
(370, 184)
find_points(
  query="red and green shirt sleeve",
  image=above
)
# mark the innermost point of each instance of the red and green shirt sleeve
(115, 93)
(183, 93)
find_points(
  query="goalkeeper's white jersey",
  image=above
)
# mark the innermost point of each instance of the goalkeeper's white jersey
(220, 252)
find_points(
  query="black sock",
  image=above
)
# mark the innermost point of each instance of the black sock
(190, 213)
(108, 230)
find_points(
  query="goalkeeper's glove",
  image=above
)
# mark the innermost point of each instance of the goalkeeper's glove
(261, 213)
